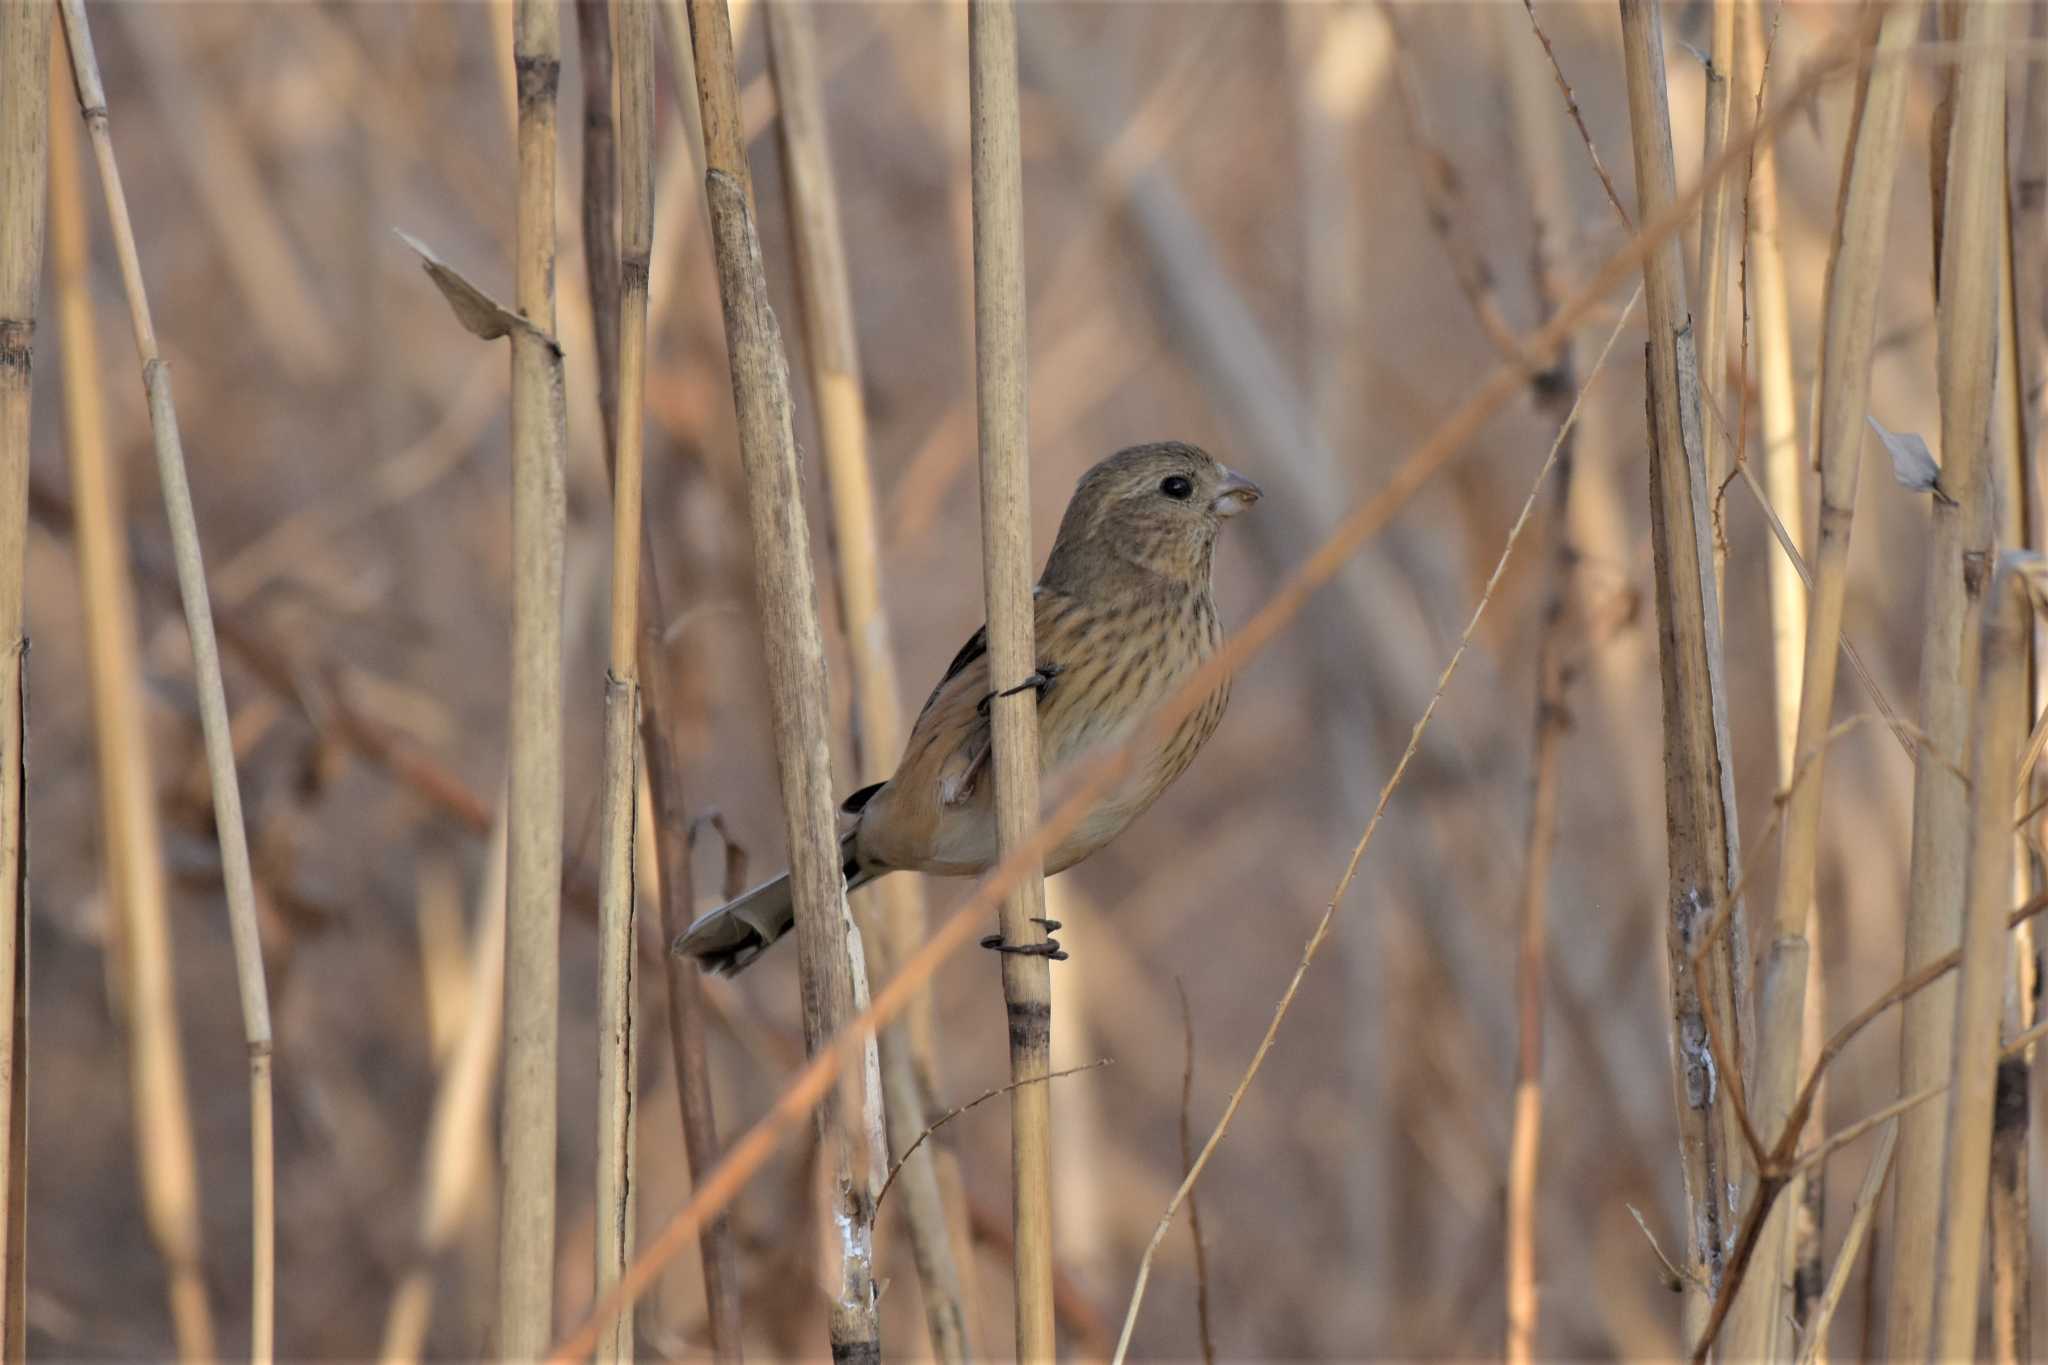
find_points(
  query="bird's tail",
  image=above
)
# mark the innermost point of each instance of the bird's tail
(733, 935)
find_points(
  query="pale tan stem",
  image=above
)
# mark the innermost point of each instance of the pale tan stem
(1000, 349)
(1969, 825)
(526, 1224)
(24, 157)
(829, 956)
(213, 711)
(133, 838)
(892, 914)
(1958, 570)
(618, 953)
(1703, 849)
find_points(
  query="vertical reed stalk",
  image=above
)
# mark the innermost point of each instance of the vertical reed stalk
(526, 1223)
(132, 838)
(1967, 322)
(892, 914)
(24, 154)
(2000, 732)
(1854, 274)
(1784, 485)
(1000, 394)
(617, 939)
(2016, 475)
(660, 741)
(828, 947)
(1966, 309)
(1716, 218)
(1699, 816)
(213, 709)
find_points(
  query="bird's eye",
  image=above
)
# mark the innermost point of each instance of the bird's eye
(1178, 487)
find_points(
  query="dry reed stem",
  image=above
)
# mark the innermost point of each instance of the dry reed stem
(213, 712)
(660, 740)
(458, 1130)
(828, 946)
(1967, 320)
(1716, 216)
(24, 156)
(166, 1165)
(1703, 848)
(1358, 851)
(1784, 499)
(617, 894)
(1542, 154)
(600, 147)
(1366, 519)
(1815, 1348)
(1957, 573)
(2018, 526)
(526, 1222)
(1854, 275)
(892, 914)
(1000, 350)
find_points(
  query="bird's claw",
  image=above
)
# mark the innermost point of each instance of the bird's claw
(1037, 681)
(1050, 949)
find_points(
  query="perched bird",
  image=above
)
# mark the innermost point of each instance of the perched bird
(1123, 616)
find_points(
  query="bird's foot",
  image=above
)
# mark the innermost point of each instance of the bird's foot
(1037, 681)
(1049, 949)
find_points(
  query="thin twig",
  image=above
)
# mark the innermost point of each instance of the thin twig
(957, 1110)
(1571, 104)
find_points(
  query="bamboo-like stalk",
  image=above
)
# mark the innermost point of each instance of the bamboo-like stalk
(1716, 219)
(2018, 512)
(1784, 485)
(617, 938)
(892, 914)
(660, 741)
(828, 947)
(1999, 733)
(1542, 156)
(24, 155)
(1000, 388)
(1700, 814)
(1854, 274)
(1967, 319)
(526, 1222)
(1957, 574)
(213, 710)
(458, 1131)
(132, 837)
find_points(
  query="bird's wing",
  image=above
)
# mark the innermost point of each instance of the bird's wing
(954, 722)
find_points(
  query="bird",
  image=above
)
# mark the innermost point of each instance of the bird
(1122, 615)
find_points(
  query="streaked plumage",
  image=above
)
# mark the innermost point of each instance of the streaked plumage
(1123, 616)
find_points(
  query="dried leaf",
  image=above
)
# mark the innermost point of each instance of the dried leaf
(1912, 462)
(478, 312)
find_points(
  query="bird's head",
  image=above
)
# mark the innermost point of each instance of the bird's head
(1156, 506)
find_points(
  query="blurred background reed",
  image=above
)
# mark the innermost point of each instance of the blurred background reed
(1295, 235)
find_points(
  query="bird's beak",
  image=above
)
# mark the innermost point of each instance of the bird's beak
(1234, 494)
